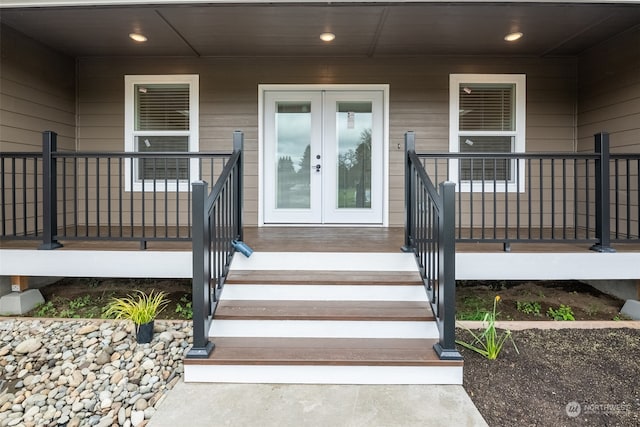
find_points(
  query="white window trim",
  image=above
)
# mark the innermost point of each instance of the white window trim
(130, 81)
(520, 129)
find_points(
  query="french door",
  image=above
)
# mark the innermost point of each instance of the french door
(323, 157)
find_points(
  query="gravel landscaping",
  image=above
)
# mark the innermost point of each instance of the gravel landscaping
(93, 373)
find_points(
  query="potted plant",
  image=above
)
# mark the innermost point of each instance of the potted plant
(141, 309)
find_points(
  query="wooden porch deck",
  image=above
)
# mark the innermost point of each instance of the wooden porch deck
(318, 239)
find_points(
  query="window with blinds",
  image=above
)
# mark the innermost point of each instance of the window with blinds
(160, 117)
(487, 117)
(162, 107)
(486, 107)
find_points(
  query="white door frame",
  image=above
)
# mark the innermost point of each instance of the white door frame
(384, 88)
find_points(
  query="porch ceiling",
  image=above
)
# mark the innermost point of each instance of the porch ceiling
(375, 29)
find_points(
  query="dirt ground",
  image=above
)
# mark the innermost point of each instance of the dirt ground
(87, 297)
(567, 377)
(531, 300)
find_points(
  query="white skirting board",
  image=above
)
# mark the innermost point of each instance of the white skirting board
(77, 263)
(587, 265)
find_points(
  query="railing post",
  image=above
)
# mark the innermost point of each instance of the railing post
(201, 284)
(409, 146)
(446, 347)
(49, 191)
(238, 145)
(603, 216)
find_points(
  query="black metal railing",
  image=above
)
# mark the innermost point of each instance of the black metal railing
(543, 197)
(217, 221)
(127, 196)
(430, 234)
(21, 195)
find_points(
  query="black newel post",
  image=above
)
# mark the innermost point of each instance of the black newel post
(603, 216)
(409, 146)
(446, 347)
(49, 191)
(238, 145)
(201, 285)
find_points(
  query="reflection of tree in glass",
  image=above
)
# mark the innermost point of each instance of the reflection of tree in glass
(305, 167)
(293, 186)
(355, 174)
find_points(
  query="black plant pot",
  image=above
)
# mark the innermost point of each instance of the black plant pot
(144, 333)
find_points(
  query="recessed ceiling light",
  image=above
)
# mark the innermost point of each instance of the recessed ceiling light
(137, 37)
(511, 37)
(327, 37)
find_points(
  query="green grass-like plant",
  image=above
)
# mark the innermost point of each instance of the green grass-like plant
(472, 308)
(141, 309)
(489, 343)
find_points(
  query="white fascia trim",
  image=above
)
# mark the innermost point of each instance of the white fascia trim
(520, 80)
(193, 80)
(60, 3)
(78, 263)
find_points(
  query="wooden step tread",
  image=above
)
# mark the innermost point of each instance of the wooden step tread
(323, 351)
(324, 310)
(314, 277)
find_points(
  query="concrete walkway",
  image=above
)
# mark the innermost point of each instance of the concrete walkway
(265, 405)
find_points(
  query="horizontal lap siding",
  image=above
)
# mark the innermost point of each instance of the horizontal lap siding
(609, 100)
(37, 93)
(419, 101)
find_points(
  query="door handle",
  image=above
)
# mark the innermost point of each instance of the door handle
(317, 167)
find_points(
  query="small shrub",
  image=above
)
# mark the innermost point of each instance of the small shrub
(529, 307)
(80, 302)
(46, 309)
(184, 308)
(564, 312)
(593, 309)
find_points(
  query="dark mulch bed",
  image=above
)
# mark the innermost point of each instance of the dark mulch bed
(597, 369)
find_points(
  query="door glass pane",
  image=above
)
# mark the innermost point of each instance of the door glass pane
(353, 133)
(293, 155)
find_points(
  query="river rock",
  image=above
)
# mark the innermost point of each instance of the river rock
(28, 346)
(87, 329)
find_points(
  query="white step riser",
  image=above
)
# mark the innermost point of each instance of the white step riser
(334, 261)
(296, 374)
(322, 329)
(323, 293)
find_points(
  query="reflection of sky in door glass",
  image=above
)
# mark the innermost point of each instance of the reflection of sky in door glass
(293, 128)
(350, 129)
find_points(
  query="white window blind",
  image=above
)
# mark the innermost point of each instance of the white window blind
(486, 107)
(162, 107)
